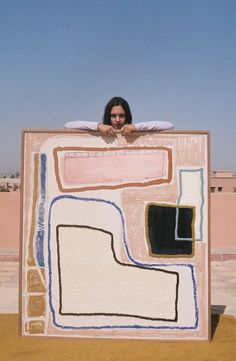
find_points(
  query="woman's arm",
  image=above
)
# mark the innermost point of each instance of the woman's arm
(82, 125)
(127, 129)
(139, 127)
(154, 125)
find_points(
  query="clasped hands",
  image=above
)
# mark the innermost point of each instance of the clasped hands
(109, 130)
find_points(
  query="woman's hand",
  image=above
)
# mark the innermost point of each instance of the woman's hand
(106, 129)
(109, 130)
(127, 129)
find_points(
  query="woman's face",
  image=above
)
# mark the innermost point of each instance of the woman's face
(118, 117)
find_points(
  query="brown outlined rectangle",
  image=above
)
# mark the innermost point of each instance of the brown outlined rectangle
(80, 168)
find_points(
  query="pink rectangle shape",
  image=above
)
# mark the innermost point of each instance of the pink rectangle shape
(115, 167)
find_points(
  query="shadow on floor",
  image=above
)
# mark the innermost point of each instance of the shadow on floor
(216, 312)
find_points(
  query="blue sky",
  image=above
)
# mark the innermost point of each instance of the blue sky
(62, 60)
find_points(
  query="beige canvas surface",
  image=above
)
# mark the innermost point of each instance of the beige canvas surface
(98, 259)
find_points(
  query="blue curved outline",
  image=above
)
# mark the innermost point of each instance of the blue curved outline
(135, 326)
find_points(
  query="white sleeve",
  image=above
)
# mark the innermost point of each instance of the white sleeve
(154, 125)
(82, 125)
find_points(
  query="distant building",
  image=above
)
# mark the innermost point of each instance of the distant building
(220, 181)
(9, 184)
(223, 181)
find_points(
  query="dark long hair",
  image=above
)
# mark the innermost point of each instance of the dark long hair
(113, 103)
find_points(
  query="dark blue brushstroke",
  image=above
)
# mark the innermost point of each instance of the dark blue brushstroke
(41, 213)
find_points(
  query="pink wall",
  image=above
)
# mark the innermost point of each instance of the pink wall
(227, 184)
(223, 221)
(9, 221)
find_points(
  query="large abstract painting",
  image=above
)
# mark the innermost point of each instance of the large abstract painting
(115, 239)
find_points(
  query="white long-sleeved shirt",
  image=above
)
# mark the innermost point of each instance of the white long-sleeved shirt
(151, 125)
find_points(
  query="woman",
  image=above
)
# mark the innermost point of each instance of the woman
(117, 116)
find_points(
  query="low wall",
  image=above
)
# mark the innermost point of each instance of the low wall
(223, 221)
(9, 222)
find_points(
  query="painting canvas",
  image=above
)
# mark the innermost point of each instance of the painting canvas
(115, 235)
